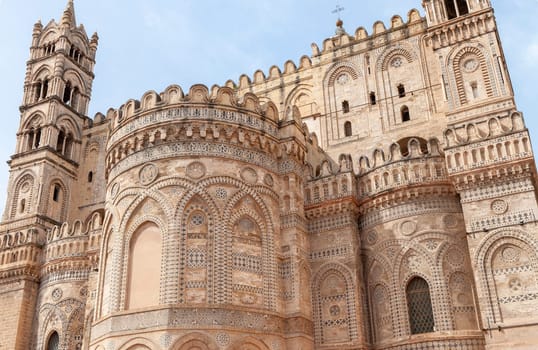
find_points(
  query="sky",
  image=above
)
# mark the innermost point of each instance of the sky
(150, 44)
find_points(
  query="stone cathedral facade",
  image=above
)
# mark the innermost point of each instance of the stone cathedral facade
(377, 194)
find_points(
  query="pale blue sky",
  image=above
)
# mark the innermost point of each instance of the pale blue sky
(150, 44)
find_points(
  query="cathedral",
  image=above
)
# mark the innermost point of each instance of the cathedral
(378, 194)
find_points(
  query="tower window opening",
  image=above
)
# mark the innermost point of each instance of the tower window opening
(30, 139)
(23, 205)
(463, 8)
(74, 97)
(345, 106)
(45, 88)
(67, 93)
(405, 114)
(451, 9)
(347, 129)
(60, 142)
(373, 100)
(90, 176)
(36, 139)
(49, 49)
(401, 90)
(38, 88)
(56, 193)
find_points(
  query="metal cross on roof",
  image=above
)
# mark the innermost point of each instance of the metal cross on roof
(338, 10)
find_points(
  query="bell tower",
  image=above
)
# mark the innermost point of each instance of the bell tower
(440, 11)
(45, 165)
(57, 91)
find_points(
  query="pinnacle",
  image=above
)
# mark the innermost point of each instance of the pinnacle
(68, 17)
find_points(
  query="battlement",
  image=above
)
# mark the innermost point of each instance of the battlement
(198, 95)
(381, 35)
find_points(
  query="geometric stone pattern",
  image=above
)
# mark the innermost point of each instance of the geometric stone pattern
(378, 194)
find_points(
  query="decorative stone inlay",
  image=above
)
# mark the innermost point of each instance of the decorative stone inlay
(196, 170)
(249, 175)
(166, 340)
(408, 228)
(148, 174)
(342, 79)
(450, 221)
(415, 263)
(57, 294)
(277, 345)
(489, 222)
(455, 257)
(499, 206)
(515, 284)
(83, 291)
(510, 254)
(248, 299)
(194, 113)
(187, 318)
(221, 193)
(197, 220)
(470, 65)
(371, 237)
(25, 187)
(268, 180)
(397, 62)
(334, 310)
(222, 339)
(115, 190)
(463, 299)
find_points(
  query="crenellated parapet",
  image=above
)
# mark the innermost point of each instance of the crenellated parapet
(204, 122)
(71, 250)
(331, 183)
(20, 254)
(339, 45)
(483, 146)
(409, 162)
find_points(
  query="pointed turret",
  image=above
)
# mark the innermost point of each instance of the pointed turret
(68, 17)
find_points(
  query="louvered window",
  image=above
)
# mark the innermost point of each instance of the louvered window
(419, 304)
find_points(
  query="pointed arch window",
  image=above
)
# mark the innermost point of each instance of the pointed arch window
(54, 342)
(67, 93)
(347, 129)
(419, 305)
(64, 143)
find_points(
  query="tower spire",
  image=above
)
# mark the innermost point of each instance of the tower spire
(68, 17)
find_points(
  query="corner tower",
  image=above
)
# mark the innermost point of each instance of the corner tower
(45, 164)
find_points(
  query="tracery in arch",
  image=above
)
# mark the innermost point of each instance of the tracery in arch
(31, 133)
